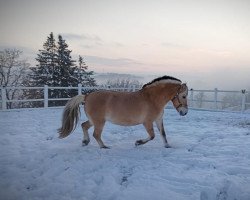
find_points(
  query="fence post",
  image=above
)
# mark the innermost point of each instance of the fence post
(133, 88)
(46, 96)
(192, 98)
(4, 102)
(79, 89)
(243, 101)
(215, 98)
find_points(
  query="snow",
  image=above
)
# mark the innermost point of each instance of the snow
(209, 159)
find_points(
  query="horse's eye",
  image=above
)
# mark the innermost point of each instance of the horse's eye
(184, 97)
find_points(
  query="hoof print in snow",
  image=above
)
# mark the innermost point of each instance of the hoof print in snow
(126, 173)
(49, 138)
(223, 193)
(105, 147)
(190, 149)
(124, 180)
(53, 155)
(66, 168)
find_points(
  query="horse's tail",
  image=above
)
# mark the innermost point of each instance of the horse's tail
(71, 115)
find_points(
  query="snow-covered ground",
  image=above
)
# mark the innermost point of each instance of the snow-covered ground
(209, 159)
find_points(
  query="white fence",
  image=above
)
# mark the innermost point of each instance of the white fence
(199, 99)
(220, 99)
(4, 100)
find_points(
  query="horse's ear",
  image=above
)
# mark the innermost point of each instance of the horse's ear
(183, 86)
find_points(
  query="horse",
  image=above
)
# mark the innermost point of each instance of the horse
(144, 106)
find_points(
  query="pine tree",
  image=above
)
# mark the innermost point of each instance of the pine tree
(43, 73)
(84, 77)
(65, 73)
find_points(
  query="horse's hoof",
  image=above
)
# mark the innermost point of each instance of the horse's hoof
(138, 142)
(167, 146)
(85, 142)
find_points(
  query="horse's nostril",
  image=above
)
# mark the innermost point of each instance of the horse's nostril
(183, 113)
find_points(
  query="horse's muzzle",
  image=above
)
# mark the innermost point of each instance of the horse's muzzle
(183, 112)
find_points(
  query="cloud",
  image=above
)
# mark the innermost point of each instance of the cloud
(87, 46)
(91, 41)
(72, 36)
(111, 61)
(88, 37)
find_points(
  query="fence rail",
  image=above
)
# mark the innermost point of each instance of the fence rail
(203, 99)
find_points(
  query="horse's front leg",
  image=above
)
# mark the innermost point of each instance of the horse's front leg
(149, 127)
(159, 124)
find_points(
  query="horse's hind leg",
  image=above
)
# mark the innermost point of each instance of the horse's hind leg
(150, 130)
(85, 127)
(97, 134)
(159, 124)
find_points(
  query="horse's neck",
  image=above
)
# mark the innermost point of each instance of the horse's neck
(161, 95)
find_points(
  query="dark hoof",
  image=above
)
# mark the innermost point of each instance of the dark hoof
(139, 142)
(167, 146)
(85, 142)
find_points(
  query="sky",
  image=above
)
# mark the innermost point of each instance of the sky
(204, 43)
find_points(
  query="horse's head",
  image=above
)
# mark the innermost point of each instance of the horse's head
(180, 100)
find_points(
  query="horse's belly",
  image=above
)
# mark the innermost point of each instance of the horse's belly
(125, 120)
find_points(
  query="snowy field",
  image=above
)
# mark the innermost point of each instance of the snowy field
(209, 159)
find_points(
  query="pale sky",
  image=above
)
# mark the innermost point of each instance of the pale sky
(205, 43)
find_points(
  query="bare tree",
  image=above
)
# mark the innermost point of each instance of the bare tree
(199, 99)
(12, 71)
(123, 83)
(231, 101)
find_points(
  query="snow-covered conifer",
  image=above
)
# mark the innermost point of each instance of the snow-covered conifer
(84, 76)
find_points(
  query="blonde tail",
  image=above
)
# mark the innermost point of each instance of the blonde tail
(71, 115)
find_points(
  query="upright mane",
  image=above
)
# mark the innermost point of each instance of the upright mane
(163, 79)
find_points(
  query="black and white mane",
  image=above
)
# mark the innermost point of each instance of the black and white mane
(165, 79)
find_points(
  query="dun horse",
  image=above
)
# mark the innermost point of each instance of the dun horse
(145, 106)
